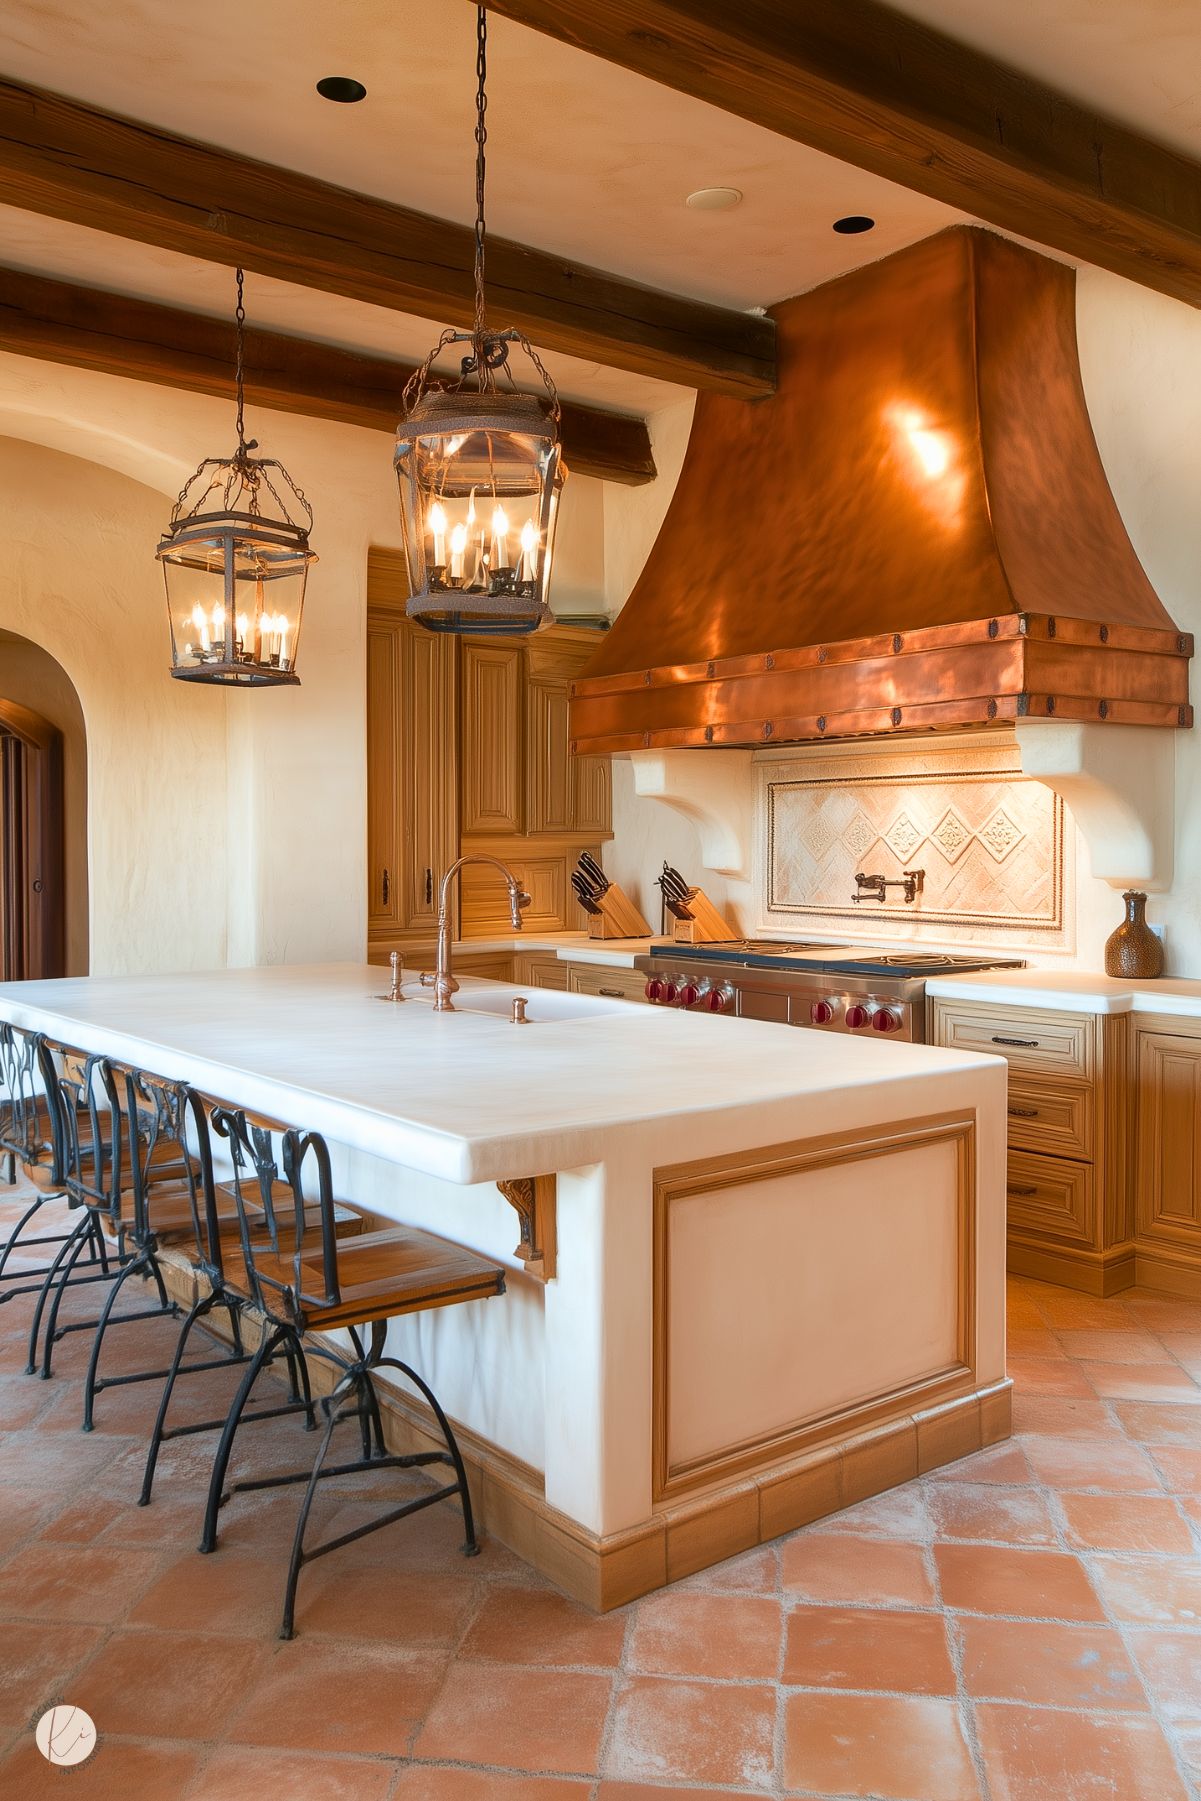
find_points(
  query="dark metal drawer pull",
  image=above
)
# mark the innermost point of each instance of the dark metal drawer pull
(1023, 1044)
(1023, 1113)
(1022, 1191)
(614, 994)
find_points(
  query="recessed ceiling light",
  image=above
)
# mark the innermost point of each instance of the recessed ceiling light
(854, 223)
(714, 200)
(342, 88)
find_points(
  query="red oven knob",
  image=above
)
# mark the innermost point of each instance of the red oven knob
(715, 1000)
(689, 995)
(857, 1017)
(654, 990)
(821, 1013)
(885, 1021)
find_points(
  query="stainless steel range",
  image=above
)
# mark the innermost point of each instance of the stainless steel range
(833, 987)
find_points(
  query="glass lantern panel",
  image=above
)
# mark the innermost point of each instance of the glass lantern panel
(248, 622)
(476, 510)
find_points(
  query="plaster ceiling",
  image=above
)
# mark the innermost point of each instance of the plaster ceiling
(585, 159)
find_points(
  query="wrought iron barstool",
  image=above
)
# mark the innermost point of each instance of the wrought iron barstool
(305, 1281)
(26, 1143)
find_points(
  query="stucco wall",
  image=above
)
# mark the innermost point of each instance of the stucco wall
(222, 828)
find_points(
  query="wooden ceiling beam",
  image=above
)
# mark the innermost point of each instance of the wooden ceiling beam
(89, 328)
(74, 162)
(866, 84)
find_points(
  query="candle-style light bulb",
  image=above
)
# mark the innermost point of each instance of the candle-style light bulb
(529, 547)
(202, 625)
(500, 538)
(282, 623)
(437, 524)
(458, 550)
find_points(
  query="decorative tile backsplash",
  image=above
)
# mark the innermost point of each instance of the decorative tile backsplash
(990, 841)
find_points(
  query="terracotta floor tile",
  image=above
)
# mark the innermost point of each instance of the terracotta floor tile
(22, 1399)
(703, 1732)
(1015, 1516)
(1143, 1382)
(1113, 1347)
(1032, 1341)
(736, 1637)
(86, 1583)
(864, 1648)
(1112, 1464)
(898, 1513)
(1164, 1591)
(36, 1659)
(240, 1592)
(1160, 1423)
(114, 1772)
(1126, 1523)
(1185, 1347)
(176, 1685)
(1003, 1464)
(84, 1520)
(317, 1695)
(901, 1748)
(1061, 1416)
(752, 1572)
(1171, 1666)
(540, 1626)
(24, 1513)
(433, 1782)
(400, 1606)
(1037, 1755)
(1027, 1584)
(831, 1566)
(1161, 1312)
(522, 1719)
(643, 1791)
(1188, 1740)
(1047, 1376)
(1181, 1468)
(240, 1774)
(1064, 1308)
(1049, 1664)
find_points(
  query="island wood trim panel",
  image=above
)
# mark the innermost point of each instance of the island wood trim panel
(672, 1478)
(87, 328)
(534, 1199)
(75, 162)
(884, 92)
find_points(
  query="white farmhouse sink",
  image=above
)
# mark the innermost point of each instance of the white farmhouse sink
(542, 1004)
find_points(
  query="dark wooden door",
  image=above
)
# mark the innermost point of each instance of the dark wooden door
(32, 910)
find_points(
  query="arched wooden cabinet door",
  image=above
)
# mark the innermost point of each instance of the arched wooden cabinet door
(32, 909)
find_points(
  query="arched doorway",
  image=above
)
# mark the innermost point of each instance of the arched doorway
(32, 827)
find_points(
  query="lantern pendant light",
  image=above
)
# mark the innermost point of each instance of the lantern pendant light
(479, 469)
(235, 560)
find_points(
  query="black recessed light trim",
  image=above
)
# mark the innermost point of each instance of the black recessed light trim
(342, 88)
(853, 224)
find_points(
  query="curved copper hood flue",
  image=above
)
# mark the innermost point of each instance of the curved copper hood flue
(914, 532)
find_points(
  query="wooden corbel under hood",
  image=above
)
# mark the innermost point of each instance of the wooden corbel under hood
(914, 532)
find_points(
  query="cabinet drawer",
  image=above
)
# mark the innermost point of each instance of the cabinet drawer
(1050, 1116)
(1050, 1199)
(615, 984)
(1042, 1043)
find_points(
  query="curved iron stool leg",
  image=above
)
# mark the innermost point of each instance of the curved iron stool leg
(68, 1255)
(89, 1381)
(198, 1310)
(471, 1547)
(52, 1334)
(270, 1344)
(331, 1404)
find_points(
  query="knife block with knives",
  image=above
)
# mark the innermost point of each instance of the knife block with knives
(695, 920)
(611, 912)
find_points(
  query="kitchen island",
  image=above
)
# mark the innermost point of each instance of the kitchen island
(760, 1270)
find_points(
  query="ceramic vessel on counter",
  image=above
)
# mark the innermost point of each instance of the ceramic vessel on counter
(1134, 949)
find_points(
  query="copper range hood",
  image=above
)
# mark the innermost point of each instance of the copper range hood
(915, 532)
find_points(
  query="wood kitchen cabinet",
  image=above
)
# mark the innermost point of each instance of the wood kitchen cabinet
(468, 750)
(412, 808)
(1167, 1156)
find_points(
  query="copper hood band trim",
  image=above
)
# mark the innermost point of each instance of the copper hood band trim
(927, 476)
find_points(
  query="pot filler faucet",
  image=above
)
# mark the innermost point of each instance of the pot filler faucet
(442, 981)
(875, 887)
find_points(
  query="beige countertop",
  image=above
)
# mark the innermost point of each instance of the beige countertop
(1071, 991)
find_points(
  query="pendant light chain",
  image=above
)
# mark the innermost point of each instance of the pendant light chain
(239, 367)
(481, 139)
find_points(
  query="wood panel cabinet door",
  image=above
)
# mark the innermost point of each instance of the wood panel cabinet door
(493, 751)
(1168, 1141)
(412, 829)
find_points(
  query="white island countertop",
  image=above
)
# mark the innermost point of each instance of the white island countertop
(466, 1096)
(1071, 991)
